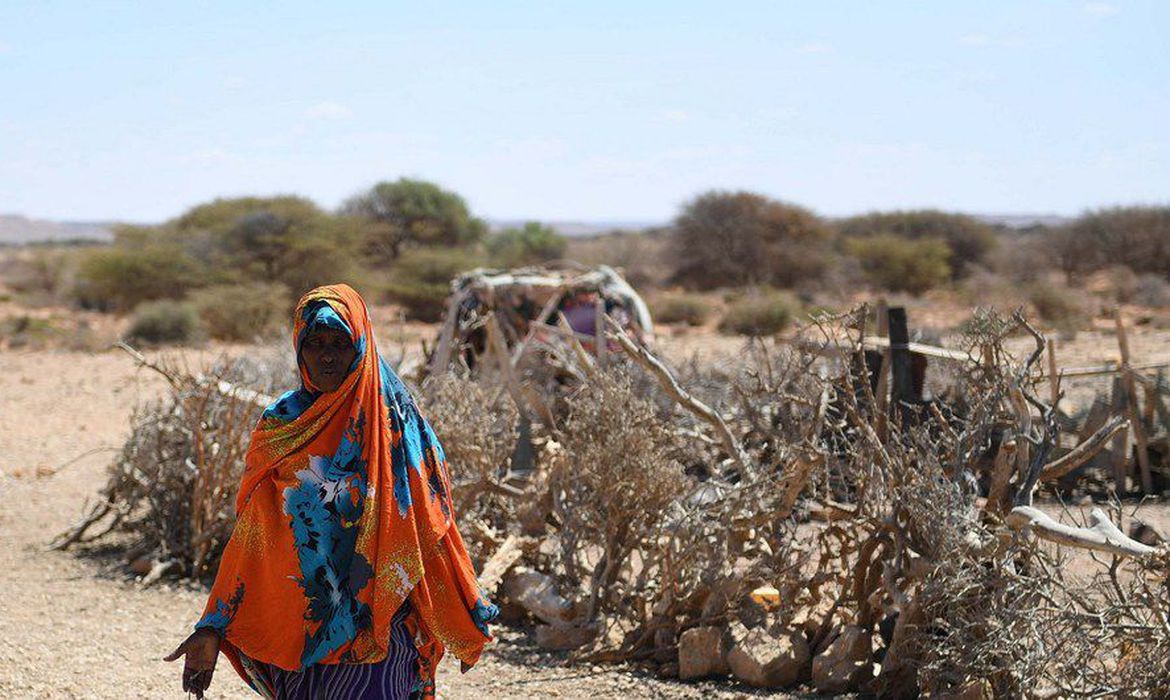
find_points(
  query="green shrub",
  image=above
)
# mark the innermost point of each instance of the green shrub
(242, 312)
(165, 321)
(968, 241)
(680, 308)
(764, 313)
(533, 243)
(902, 264)
(421, 279)
(120, 278)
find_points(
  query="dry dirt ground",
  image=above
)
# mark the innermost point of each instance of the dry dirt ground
(77, 626)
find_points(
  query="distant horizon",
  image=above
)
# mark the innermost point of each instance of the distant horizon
(514, 220)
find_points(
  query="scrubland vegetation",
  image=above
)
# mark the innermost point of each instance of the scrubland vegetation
(741, 262)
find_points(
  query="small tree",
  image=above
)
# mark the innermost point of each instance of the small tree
(741, 238)
(1137, 237)
(968, 240)
(533, 243)
(286, 240)
(404, 212)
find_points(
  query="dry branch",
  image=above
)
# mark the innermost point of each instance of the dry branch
(1102, 536)
(701, 410)
(1084, 451)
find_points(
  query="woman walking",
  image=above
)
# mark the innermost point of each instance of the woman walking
(345, 576)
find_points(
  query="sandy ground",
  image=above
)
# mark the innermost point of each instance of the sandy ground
(77, 626)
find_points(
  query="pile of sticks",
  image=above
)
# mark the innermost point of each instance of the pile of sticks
(865, 517)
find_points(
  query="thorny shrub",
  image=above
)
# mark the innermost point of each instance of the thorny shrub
(615, 484)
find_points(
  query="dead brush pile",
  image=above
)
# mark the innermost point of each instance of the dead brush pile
(780, 521)
(170, 493)
(786, 525)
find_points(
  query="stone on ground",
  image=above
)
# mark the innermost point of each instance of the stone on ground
(701, 653)
(846, 663)
(768, 658)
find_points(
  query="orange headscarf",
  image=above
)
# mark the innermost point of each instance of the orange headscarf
(344, 512)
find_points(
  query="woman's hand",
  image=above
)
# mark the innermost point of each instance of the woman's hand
(201, 650)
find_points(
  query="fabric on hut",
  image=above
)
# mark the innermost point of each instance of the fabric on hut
(344, 513)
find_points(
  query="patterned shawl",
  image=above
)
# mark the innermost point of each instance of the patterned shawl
(344, 511)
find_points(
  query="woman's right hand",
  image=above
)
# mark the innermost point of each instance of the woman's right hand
(201, 650)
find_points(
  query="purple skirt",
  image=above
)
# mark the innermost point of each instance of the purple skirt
(394, 678)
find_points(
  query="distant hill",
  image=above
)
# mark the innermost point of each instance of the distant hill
(21, 230)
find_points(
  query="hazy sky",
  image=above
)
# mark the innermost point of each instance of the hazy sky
(593, 110)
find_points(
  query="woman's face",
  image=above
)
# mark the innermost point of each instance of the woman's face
(327, 354)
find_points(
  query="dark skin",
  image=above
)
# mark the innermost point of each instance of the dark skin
(327, 354)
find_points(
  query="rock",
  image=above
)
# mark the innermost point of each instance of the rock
(847, 662)
(768, 659)
(668, 670)
(564, 637)
(701, 653)
(537, 593)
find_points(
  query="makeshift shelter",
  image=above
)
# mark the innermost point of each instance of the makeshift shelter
(534, 307)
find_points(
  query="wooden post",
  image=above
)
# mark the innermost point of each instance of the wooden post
(1120, 447)
(882, 392)
(1053, 377)
(496, 346)
(901, 369)
(1135, 414)
(446, 336)
(533, 328)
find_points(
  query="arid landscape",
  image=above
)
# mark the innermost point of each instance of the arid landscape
(76, 624)
(760, 350)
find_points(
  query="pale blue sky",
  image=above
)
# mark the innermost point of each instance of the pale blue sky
(593, 110)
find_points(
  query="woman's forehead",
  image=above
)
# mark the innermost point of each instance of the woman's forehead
(326, 333)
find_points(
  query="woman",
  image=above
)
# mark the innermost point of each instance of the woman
(345, 576)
